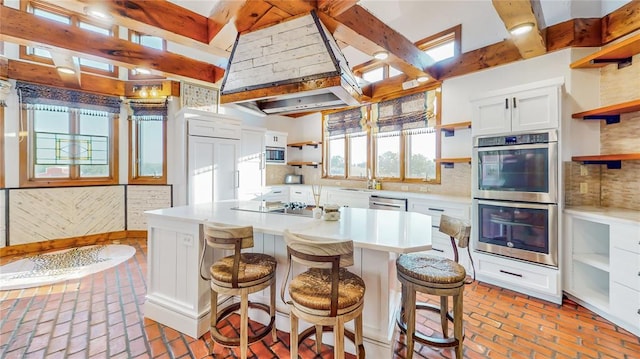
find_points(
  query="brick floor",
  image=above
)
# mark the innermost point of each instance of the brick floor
(100, 316)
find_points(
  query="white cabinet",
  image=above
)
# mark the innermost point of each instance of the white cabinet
(275, 194)
(251, 164)
(212, 169)
(347, 198)
(301, 194)
(441, 243)
(526, 108)
(603, 266)
(275, 139)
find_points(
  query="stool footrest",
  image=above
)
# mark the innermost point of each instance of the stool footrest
(234, 342)
(434, 341)
(326, 328)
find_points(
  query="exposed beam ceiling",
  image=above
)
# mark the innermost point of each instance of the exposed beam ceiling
(27, 29)
(67, 61)
(221, 14)
(518, 12)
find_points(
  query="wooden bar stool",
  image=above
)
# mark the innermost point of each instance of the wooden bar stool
(436, 276)
(239, 275)
(326, 295)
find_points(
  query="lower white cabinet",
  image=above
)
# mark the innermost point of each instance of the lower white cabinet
(301, 194)
(346, 198)
(602, 263)
(275, 194)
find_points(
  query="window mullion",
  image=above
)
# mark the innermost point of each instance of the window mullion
(74, 126)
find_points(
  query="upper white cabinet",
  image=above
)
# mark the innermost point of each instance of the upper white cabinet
(275, 139)
(523, 108)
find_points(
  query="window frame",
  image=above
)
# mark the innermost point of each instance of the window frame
(132, 73)
(134, 177)
(451, 34)
(372, 146)
(76, 19)
(27, 148)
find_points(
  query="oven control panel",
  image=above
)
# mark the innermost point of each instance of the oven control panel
(519, 139)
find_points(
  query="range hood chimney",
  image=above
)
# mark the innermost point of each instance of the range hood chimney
(291, 67)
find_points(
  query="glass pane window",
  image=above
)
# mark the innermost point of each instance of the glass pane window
(52, 16)
(47, 149)
(96, 65)
(38, 52)
(442, 51)
(388, 155)
(150, 41)
(374, 75)
(149, 148)
(394, 72)
(336, 156)
(358, 155)
(420, 155)
(94, 28)
(96, 125)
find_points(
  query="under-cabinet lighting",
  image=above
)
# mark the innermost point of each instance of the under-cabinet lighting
(521, 29)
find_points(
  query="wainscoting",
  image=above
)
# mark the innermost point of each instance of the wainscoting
(43, 214)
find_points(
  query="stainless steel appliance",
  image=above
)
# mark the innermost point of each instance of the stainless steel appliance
(388, 203)
(526, 231)
(293, 179)
(274, 154)
(517, 167)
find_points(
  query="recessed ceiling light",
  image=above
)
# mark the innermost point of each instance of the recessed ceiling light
(66, 70)
(142, 71)
(381, 55)
(97, 13)
(423, 79)
(521, 29)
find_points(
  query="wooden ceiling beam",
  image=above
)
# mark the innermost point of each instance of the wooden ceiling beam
(250, 14)
(360, 29)
(574, 33)
(620, 22)
(294, 7)
(27, 29)
(518, 12)
(493, 55)
(221, 14)
(335, 7)
(48, 75)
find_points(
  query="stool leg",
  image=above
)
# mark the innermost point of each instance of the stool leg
(318, 338)
(244, 323)
(338, 333)
(272, 310)
(457, 322)
(293, 335)
(213, 314)
(444, 309)
(358, 342)
(410, 315)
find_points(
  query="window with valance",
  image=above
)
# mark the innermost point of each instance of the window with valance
(394, 140)
(69, 136)
(346, 143)
(147, 131)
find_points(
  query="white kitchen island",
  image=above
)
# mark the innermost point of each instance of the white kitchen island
(178, 297)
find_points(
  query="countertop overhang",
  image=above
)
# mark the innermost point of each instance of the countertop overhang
(399, 232)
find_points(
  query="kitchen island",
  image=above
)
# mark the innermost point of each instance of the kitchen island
(178, 297)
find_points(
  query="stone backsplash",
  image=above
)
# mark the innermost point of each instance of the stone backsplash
(618, 188)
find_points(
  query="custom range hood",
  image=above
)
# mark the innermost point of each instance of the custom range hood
(291, 67)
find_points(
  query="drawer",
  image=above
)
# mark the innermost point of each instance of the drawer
(213, 129)
(626, 236)
(625, 304)
(519, 274)
(625, 268)
(435, 209)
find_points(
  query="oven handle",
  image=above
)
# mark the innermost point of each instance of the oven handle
(517, 204)
(518, 147)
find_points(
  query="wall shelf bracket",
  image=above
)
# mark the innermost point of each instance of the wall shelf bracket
(622, 63)
(610, 119)
(611, 164)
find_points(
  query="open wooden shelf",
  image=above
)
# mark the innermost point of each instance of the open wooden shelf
(613, 161)
(299, 145)
(611, 114)
(301, 163)
(449, 162)
(450, 128)
(620, 53)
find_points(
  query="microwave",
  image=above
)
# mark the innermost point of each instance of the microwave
(275, 154)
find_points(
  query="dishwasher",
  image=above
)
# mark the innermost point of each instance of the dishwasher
(388, 203)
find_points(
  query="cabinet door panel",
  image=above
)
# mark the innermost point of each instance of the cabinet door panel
(491, 116)
(625, 304)
(535, 109)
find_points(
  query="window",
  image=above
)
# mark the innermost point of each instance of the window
(402, 136)
(374, 75)
(443, 45)
(147, 131)
(66, 17)
(68, 143)
(150, 41)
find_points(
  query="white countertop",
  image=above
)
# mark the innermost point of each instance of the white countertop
(400, 232)
(621, 215)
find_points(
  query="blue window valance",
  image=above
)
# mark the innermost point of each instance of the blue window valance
(346, 122)
(47, 96)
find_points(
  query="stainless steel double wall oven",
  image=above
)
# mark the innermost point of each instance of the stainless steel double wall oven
(515, 190)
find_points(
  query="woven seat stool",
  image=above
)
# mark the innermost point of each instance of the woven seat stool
(438, 276)
(325, 295)
(239, 275)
